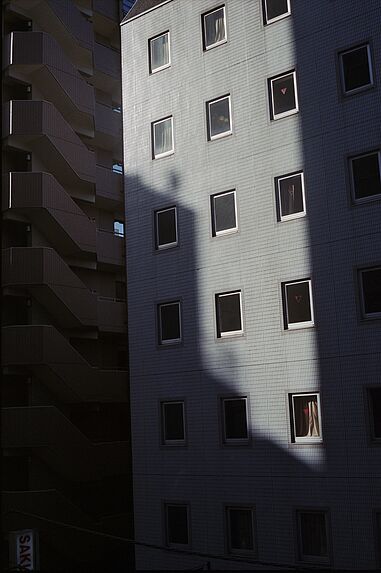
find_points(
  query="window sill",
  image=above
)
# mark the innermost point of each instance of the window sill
(220, 43)
(220, 135)
(277, 19)
(285, 114)
(166, 154)
(300, 326)
(357, 90)
(286, 218)
(160, 69)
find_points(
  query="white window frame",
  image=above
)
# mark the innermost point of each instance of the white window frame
(171, 543)
(206, 48)
(169, 341)
(353, 158)
(231, 229)
(369, 315)
(306, 439)
(166, 245)
(371, 75)
(307, 323)
(231, 550)
(311, 558)
(292, 111)
(277, 18)
(170, 151)
(234, 441)
(168, 442)
(168, 65)
(231, 333)
(224, 133)
(293, 215)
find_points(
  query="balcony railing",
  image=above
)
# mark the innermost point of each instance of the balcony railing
(112, 315)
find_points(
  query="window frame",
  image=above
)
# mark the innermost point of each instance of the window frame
(203, 27)
(150, 40)
(165, 246)
(277, 18)
(352, 180)
(342, 53)
(167, 504)
(164, 440)
(231, 230)
(297, 325)
(170, 341)
(230, 550)
(364, 315)
(293, 111)
(209, 123)
(116, 233)
(304, 440)
(300, 214)
(232, 333)
(234, 441)
(166, 153)
(310, 558)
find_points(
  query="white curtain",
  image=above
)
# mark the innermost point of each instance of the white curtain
(160, 51)
(215, 28)
(307, 418)
(163, 136)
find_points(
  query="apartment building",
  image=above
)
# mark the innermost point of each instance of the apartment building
(65, 410)
(252, 157)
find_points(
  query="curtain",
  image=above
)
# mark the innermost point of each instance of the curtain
(306, 418)
(219, 28)
(291, 199)
(163, 137)
(160, 51)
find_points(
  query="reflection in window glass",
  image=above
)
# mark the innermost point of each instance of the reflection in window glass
(219, 117)
(224, 213)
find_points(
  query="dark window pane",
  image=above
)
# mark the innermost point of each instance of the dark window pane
(235, 419)
(229, 312)
(371, 284)
(291, 195)
(313, 534)
(241, 529)
(219, 117)
(166, 227)
(177, 516)
(298, 303)
(283, 94)
(306, 412)
(224, 212)
(173, 421)
(170, 322)
(276, 8)
(366, 176)
(375, 397)
(356, 69)
(214, 27)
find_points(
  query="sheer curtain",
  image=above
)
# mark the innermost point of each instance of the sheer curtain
(219, 27)
(307, 418)
(160, 52)
(163, 137)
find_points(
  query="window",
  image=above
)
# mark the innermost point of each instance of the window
(240, 529)
(366, 175)
(219, 123)
(119, 228)
(305, 418)
(284, 98)
(117, 167)
(234, 420)
(166, 228)
(224, 213)
(214, 28)
(177, 524)
(370, 280)
(374, 396)
(312, 536)
(297, 303)
(356, 69)
(173, 427)
(275, 10)
(291, 201)
(159, 53)
(162, 132)
(169, 323)
(228, 310)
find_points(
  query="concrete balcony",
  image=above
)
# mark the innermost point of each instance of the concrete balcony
(40, 198)
(38, 127)
(109, 188)
(108, 128)
(110, 249)
(47, 353)
(52, 283)
(37, 58)
(112, 315)
(107, 70)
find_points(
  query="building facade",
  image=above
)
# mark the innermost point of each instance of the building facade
(252, 157)
(65, 412)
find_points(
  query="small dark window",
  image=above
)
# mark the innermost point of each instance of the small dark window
(177, 524)
(356, 69)
(284, 99)
(291, 201)
(219, 122)
(240, 522)
(371, 292)
(173, 422)
(366, 175)
(214, 28)
(297, 300)
(313, 541)
(224, 215)
(276, 10)
(234, 414)
(306, 419)
(375, 411)
(166, 228)
(229, 321)
(169, 323)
